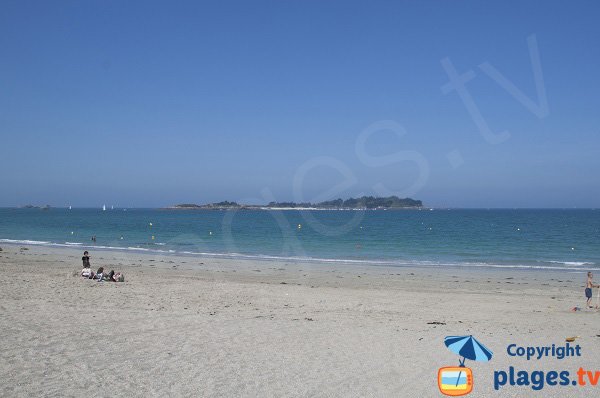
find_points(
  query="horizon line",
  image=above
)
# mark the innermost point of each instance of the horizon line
(171, 207)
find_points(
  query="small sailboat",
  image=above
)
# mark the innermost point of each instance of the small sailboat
(103, 207)
(70, 207)
(112, 207)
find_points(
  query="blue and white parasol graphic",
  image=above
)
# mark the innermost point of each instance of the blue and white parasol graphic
(469, 348)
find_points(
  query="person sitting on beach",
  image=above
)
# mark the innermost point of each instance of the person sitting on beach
(111, 276)
(114, 277)
(588, 289)
(87, 272)
(100, 274)
(119, 277)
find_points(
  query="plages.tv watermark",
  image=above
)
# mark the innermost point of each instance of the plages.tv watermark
(460, 380)
(539, 379)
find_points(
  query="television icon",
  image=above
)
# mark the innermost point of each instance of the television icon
(455, 380)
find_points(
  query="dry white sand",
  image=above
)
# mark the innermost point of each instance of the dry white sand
(184, 326)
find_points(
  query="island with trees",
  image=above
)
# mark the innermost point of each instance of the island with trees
(362, 203)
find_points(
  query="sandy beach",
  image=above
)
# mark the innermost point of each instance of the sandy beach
(189, 326)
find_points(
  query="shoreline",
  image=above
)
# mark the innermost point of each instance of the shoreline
(272, 269)
(570, 267)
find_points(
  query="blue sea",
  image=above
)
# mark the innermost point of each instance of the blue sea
(540, 239)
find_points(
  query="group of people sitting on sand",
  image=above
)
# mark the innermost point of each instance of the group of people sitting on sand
(99, 275)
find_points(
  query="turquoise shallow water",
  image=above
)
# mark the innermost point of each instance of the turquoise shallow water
(523, 238)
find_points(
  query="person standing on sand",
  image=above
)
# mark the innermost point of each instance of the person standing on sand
(86, 259)
(588, 289)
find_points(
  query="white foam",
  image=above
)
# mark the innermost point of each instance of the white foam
(576, 263)
(24, 241)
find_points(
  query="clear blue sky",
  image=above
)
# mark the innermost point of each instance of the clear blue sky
(153, 103)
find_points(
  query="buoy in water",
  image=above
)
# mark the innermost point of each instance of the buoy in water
(152, 237)
(210, 232)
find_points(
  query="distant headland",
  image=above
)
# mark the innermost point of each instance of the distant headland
(362, 203)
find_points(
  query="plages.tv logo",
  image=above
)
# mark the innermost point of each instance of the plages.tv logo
(458, 380)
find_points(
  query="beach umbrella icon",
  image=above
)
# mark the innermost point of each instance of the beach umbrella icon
(459, 380)
(469, 348)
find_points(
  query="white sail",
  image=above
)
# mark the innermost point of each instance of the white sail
(103, 207)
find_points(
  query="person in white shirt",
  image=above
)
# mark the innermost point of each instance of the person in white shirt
(87, 272)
